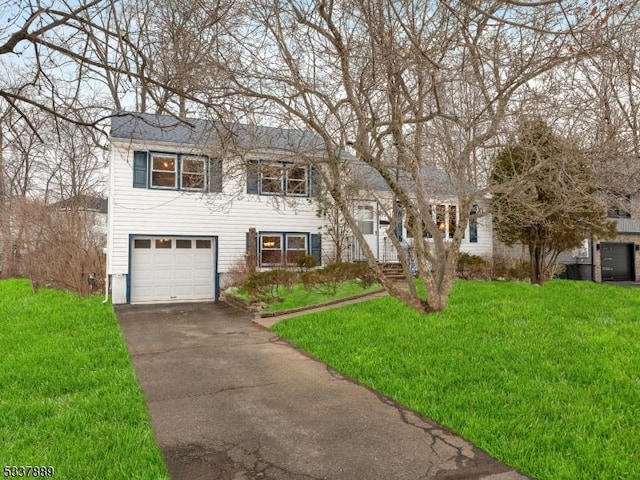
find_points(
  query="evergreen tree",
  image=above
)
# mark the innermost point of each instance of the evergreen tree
(544, 197)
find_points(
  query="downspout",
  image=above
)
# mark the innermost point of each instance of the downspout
(106, 278)
(593, 261)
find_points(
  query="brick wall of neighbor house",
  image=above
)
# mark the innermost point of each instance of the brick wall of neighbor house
(620, 238)
(517, 252)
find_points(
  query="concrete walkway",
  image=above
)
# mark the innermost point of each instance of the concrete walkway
(230, 400)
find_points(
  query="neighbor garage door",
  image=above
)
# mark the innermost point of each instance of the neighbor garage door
(617, 262)
(169, 269)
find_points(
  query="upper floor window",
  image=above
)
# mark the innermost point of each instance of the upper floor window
(277, 177)
(163, 170)
(176, 171)
(280, 178)
(296, 179)
(271, 178)
(194, 173)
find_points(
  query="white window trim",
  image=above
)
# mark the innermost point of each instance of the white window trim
(304, 181)
(434, 216)
(276, 167)
(178, 171)
(360, 220)
(205, 172)
(283, 176)
(269, 249)
(152, 157)
(304, 251)
(284, 237)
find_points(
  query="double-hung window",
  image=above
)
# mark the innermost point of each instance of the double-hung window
(164, 168)
(271, 249)
(296, 180)
(193, 173)
(296, 248)
(176, 171)
(277, 178)
(278, 249)
(445, 217)
(271, 178)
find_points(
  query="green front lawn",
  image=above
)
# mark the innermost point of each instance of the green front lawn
(546, 379)
(299, 296)
(68, 394)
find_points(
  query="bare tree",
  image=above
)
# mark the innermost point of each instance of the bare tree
(406, 88)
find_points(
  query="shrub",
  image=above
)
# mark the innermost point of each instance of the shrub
(306, 262)
(322, 281)
(265, 285)
(326, 280)
(472, 267)
(360, 272)
(510, 268)
(238, 274)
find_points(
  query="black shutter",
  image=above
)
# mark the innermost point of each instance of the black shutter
(215, 175)
(253, 176)
(473, 229)
(140, 169)
(316, 247)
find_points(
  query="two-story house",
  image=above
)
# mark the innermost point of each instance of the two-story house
(609, 260)
(185, 193)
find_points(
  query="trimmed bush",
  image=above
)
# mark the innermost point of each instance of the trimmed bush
(306, 262)
(505, 268)
(472, 267)
(264, 285)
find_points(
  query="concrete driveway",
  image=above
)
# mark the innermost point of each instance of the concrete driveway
(230, 400)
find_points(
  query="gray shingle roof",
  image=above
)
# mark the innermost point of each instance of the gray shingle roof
(205, 133)
(437, 181)
(164, 128)
(83, 202)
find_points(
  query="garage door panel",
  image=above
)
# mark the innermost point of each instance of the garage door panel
(182, 272)
(616, 261)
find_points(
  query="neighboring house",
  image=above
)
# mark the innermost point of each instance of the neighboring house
(184, 195)
(610, 260)
(94, 212)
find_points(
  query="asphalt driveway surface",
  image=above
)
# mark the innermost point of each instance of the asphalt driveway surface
(230, 400)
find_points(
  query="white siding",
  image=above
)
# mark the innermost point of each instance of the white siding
(483, 247)
(229, 215)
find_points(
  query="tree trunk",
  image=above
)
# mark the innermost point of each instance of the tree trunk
(251, 259)
(437, 298)
(536, 259)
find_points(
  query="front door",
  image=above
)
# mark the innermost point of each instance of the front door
(367, 215)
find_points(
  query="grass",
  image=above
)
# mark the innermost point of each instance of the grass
(546, 379)
(69, 397)
(299, 297)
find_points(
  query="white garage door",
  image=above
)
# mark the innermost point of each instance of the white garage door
(170, 269)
